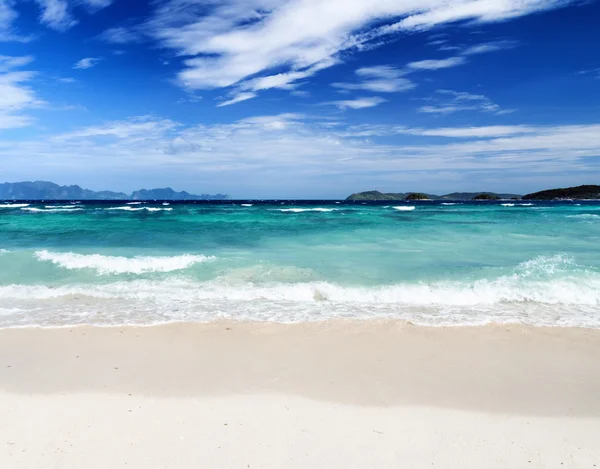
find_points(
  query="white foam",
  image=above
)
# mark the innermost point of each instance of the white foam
(246, 205)
(70, 207)
(525, 205)
(106, 265)
(166, 203)
(138, 209)
(300, 210)
(404, 208)
(449, 203)
(50, 210)
(547, 291)
(134, 203)
(584, 216)
(14, 205)
(508, 205)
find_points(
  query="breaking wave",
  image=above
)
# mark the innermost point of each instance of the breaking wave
(106, 265)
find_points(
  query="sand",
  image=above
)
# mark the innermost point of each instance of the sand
(326, 395)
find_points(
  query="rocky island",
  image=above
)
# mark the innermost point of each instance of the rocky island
(375, 196)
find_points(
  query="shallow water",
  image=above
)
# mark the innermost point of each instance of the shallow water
(434, 263)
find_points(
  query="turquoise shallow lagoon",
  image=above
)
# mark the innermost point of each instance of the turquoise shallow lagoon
(431, 263)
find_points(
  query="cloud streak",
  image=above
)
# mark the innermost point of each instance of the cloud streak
(238, 42)
(86, 63)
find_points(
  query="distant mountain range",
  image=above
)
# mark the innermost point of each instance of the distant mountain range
(28, 190)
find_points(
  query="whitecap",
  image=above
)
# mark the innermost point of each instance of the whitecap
(138, 209)
(508, 205)
(14, 205)
(300, 210)
(106, 265)
(50, 210)
(246, 205)
(404, 208)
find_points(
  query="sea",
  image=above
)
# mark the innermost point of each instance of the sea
(438, 263)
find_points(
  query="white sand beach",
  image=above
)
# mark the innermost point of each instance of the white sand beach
(321, 395)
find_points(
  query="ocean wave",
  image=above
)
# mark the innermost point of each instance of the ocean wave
(134, 203)
(106, 265)
(508, 205)
(138, 209)
(543, 291)
(525, 205)
(246, 205)
(586, 216)
(51, 210)
(404, 208)
(450, 203)
(300, 210)
(14, 205)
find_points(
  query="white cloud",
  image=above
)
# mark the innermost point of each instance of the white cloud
(56, 14)
(474, 132)
(9, 63)
(275, 155)
(119, 35)
(358, 103)
(232, 40)
(15, 95)
(143, 127)
(379, 79)
(86, 63)
(437, 64)
(98, 4)
(489, 47)
(238, 99)
(456, 101)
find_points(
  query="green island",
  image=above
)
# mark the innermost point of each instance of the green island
(587, 192)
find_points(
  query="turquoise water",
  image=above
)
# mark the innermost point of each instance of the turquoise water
(429, 263)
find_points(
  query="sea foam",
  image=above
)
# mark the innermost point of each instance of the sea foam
(301, 210)
(14, 205)
(404, 208)
(106, 265)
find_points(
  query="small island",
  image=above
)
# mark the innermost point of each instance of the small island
(416, 196)
(377, 196)
(486, 196)
(587, 192)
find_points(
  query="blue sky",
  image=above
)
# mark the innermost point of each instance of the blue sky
(301, 98)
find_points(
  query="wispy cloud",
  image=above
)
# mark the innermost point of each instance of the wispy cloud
(358, 103)
(86, 63)
(437, 64)
(450, 101)
(15, 95)
(232, 40)
(238, 98)
(56, 14)
(9, 63)
(247, 154)
(492, 46)
(379, 79)
(120, 35)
